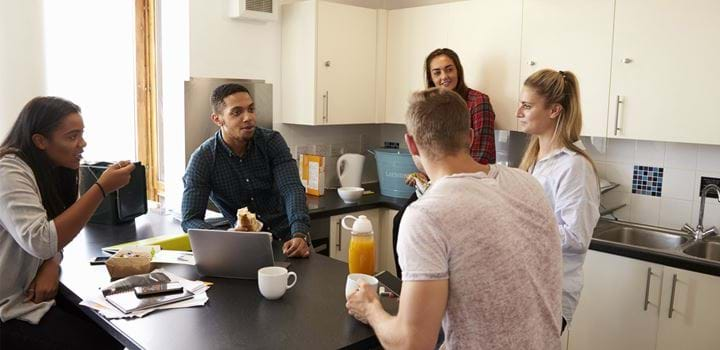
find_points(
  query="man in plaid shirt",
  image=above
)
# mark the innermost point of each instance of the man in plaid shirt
(246, 166)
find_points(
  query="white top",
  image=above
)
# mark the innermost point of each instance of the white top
(27, 238)
(571, 186)
(494, 238)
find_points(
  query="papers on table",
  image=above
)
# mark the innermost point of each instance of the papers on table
(198, 288)
(174, 257)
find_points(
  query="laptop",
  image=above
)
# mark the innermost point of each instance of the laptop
(231, 254)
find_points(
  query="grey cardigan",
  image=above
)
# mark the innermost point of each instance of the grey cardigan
(27, 238)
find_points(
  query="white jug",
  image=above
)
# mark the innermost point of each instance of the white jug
(350, 169)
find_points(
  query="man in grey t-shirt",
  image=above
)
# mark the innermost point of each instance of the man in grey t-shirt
(479, 251)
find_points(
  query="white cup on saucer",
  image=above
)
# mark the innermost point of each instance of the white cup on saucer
(353, 283)
(273, 281)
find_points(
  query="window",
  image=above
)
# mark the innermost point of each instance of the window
(100, 55)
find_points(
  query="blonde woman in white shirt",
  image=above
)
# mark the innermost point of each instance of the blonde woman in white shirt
(550, 111)
(40, 213)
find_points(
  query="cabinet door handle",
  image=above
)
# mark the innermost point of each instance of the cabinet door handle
(647, 288)
(327, 106)
(672, 296)
(338, 245)
(324, 107)
(618, 102)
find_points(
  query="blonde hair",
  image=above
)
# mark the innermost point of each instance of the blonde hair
(559, 87)
(439, 121)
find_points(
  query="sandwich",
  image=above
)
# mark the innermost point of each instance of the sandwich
(247, 221)
(419, 180)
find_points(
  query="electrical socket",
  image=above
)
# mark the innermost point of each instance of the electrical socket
(706, 180)
(390, 144)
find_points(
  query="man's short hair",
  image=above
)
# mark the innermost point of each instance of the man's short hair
(439, 121)
(217, 100)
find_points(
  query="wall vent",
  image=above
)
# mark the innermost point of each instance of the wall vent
(257, 10)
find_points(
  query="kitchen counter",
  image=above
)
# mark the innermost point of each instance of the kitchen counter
(673, 257)
(330, 204)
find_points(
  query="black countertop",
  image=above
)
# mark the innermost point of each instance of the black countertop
(673, 257)
(311, 315)
(330, 204)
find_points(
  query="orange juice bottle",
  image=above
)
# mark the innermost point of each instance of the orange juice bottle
(361, 256)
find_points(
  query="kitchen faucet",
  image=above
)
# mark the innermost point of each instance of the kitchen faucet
(699, 232)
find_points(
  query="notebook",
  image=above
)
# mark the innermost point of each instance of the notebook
(169, 242)
(121, 295)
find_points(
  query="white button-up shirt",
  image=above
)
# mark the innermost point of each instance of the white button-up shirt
(571, 186)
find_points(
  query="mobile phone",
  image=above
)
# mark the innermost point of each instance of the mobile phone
(99, 260)
(158, 289)
(390, 282)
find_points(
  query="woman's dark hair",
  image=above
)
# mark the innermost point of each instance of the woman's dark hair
(43, 115)
(460, 88)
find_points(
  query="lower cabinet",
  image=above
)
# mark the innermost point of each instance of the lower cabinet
(619, 304)
(387, 252)
(626, 304)
(382, 220)
(694, 299)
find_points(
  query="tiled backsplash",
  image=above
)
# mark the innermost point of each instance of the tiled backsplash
(647, 180)
(659, 181)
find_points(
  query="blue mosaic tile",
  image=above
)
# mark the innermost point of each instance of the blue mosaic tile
(647, 180)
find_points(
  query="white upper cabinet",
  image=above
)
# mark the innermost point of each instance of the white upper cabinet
(412, 34)
(573, 35)
(665, 71)
(486, 36)
(329, 63)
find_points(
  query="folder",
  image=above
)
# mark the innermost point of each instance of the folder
(120, 293)
(169, 242)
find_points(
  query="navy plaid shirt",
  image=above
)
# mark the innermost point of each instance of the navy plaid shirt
(265, 179)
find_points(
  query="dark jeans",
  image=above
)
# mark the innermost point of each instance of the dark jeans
(62, 327)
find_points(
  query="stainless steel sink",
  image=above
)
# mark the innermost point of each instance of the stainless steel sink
(642, 237)
(705, 250)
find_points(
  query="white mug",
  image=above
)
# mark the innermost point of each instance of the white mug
(353, 283)
(273, 281)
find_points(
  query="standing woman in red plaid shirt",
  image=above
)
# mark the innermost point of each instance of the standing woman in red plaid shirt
(443, 69)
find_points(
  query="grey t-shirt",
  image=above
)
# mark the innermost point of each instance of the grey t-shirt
(27, 238)
(494, 237)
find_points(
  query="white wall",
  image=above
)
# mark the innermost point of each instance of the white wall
(22, 73)
(174, 55)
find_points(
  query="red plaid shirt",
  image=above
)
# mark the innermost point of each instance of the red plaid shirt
(482, 121)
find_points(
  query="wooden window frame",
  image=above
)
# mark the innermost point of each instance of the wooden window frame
(146, 91)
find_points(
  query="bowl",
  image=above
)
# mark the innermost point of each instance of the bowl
(350, 194)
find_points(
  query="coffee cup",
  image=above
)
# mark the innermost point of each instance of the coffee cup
(353, 283)
(273, 281)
